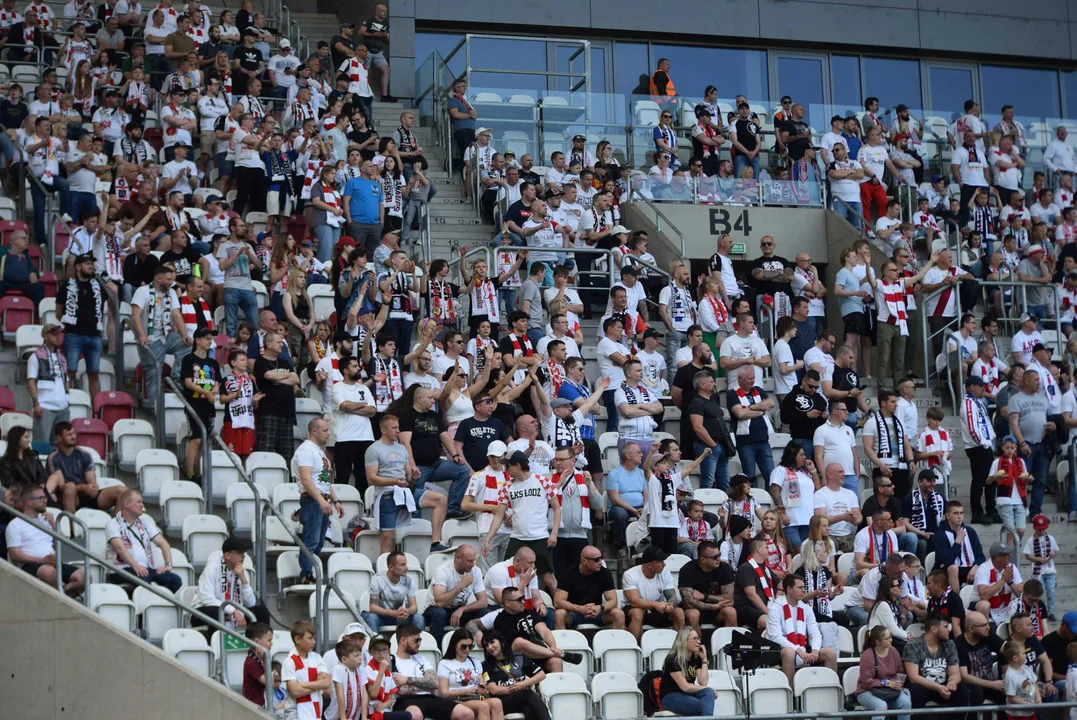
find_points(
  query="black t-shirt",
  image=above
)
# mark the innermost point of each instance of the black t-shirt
(892, 504)
(708, 583)
(586, 589)
(375, 44)
(244, 20)
(771, 263)
(845, 379)
(668, 685)
(747, 133)
(518, 213)
(519, 626)
(184, 260)
(506, 674)
(205, 372)
(138, 272)
(476, 435)
(683, 380)
(795, 408)
(1055, 646)
(711, 412)
(981, 658)
(757, 428)
(86, 315)
(425, 429)
(532, 177)
(335, 55)
(361, 136)
(12, 114)
(279, 400)
(797, 147)
(951, 608)
(248, 57)
(1033, 650)
(747, 577)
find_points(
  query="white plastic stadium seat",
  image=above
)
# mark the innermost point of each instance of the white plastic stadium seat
(155, 467)
(818, 690)
(339, 614)
(769, 692)
(433, 563)
(179, 500)
(288, 576)
(726, 693)
(415, 538)
(351, 572)
(268, 469)
(616, 696)
(415, 568)
(225, 474)
(306, 410)
(656, 644)
(232, 662)
(202, 536)
(286, 499)
(130, 437)
(190, 648)
(322, 297)
(461, 532)
(243, 508)
(617, 651)
(566, 694)
(112, 604)
(81, 406)
(158, 616)
(576, 641)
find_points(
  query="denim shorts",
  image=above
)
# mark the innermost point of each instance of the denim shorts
(225, 167)
(390, 515)
(88, 346)
(1013, 516)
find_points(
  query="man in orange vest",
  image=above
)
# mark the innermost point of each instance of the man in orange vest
(662, 90)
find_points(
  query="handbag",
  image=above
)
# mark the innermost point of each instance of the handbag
(886, 694)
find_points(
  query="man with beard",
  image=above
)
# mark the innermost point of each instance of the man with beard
(132, 148)
(80, 304)
(804, 410)
(977, 653)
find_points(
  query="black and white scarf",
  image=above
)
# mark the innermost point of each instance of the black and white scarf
(668, 494)
(890, 447)
(566, 433)
(230, 591)
(141, 534)
(71, 302)
(133, 152)
(407, 140)
(819, 580)
(255, 107)
(1041, 547)
(280, 167)
(919, 518)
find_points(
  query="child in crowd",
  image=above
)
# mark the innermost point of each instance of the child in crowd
(279, 695)
(660, 505)
(1040, 549)
(254, 680)
(777, 548)
(1010, 475)
(936, 446)
(1020, 682)
(914, 587)
(694, 530)
(734, 549)
(346, 700)
(1031, 601)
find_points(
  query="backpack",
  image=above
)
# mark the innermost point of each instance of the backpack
(649, 686)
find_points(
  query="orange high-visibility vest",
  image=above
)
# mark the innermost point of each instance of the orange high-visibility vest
(670, 90)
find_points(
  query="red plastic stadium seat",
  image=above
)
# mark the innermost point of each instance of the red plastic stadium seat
(48, 279)
(16, 311)
(7, 399)
(37, 257)
(9, 226)
(93, 433)
(62, 240)
(155, 138)
(113, 405)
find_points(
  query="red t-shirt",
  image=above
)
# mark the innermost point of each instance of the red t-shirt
(253, 689)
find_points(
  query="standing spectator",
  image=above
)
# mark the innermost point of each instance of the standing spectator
(364, 207)
(840, 507)
(235, 257)
(891, 294)
(276, 379)
(750, 407)
(978, 435)
(803, 410)
(923, 508)
(1041, 550)
(353, 406)
(463, 116)
(792, 486)
(34, 550)
(201, 377)
(932, 667)
(887, 446)
(968, 165)
(874, 161)
(392, 596)
(312, 471)
(708, 428)
(47, 381)
(638, 405)
(375, 34)
(457, 593)
(83, 301)
(1059, 156)
(1028, 410)
(678, 311)
(130, 535)
(158, 325)
(835, 442)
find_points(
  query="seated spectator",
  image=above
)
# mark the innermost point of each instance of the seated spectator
(21, 467)
(525, 631)
(392, 596)
(957, 547)
(649, 590)
(791, 624)
(684, 687)
(625, 485)
(878, 686)
(863, 598)
(977, 653)
(821, 585)
(518, 572)
(416, 682)
(460, 680)
(586, 594)
(840, 507)
(158, 325)
(888, 610)
(931, 664)
(457, 593)
(997, 582)
(1036, 658)
(130, 535)
(18, 274)
(875, 542)
(225, 582)
(424, 434)
(941, 600)
(34, 550)
(755, 586)
(1056, 645)
(512, 677)
(885, 488)
(80, 479)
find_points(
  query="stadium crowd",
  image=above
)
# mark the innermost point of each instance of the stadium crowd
(473, 399)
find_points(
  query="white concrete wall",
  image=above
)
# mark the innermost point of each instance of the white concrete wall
(62, 661)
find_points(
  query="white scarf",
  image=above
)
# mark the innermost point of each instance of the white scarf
(141, 534)
(240, 410)
(71, 303)
(391, 388)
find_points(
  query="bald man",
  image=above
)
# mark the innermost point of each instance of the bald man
(457, 592)
(977, 649)
(586, 594)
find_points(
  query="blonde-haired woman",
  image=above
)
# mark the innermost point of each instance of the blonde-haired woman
(299, 312)
(713, 315)
(685, 672)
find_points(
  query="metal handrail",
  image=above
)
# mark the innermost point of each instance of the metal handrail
(929, 356)
(131, 578)
(864, 222)
(1053, 297)
(207, 451)
(659, 218)
(124, 323)
(158, 400)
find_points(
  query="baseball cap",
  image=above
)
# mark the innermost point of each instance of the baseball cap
(482, 130)
(1037, 347)
(998, 548)
(973, 380)
(212, 199)
(927, 474)
(379, 640)
(901, 136)
(85, 257)
(307, 241)
(518, 458)
(352, 629)
(348, 25)
(629, 270)
(619, 229)
(284, 43)
(1033, 249)
(651, 333)
(496, 449)
(1025, 317)
(837, 118)
(936, 178)
(554, 194)
(1040, 522)
(577, 136)
(560, 402)
(345, 241)
(51, 328)
(654, 554)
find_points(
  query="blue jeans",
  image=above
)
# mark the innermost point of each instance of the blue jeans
(535, 334)
(233, 300)
(315, 523)
(619, 519)
(88, 346)
(795, 535)
(612, 416)
(327, 239)
(850, 211)
(83, 203)
(400, 331)
(507, 297)
(699, 703)
(59, 185)
(756, 456)
(376, 621)
(714, 470)
(907, 542)
(441, 471)
(169, 580)
(8, 149)
(741, 160)
(871, 702)
(1037, 468)
(1048, 580)
(852, 482)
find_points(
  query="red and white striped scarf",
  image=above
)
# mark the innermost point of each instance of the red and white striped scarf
(491, 488)
(1002, 598)
(197, 34)
(798, 632)
(314, 169)
(557, 376)
(529, 602)
(698, 530)
(1014, 468)
(720, 312)
(484, 297)
(894, 297)
(585, 496)
(765, 579)
(443, 304)
(190, 315)
(391, 388)
(138, 96)
(7, 19)
(521, 346)
(929, 437)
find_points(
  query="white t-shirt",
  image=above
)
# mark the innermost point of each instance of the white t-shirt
(476, 489)
(442, 363)
(310, 455)
(332, 377)
(461, 674)
(1023, 342)
(736, 347)
(350, 427)
(967, 345)
(278, 64)
(82, 180)
(847, 190)
(682, 319)
(935, 276)
(155, 321)
(983, 577)
(1008, 179)
(873, 159)
(497, 577)
(51, 394)
(447, 577)
(541, 456)
(571, 296)
(654, 369)
(658, 517)
(970, 167)
(650, 589)
(186, 185)
(28, 538)
(838, 444)
(836, 502)
(159, 33)
(783, 384)
(529, 500)
(875, 545)
(683, 356)
(544, 238)
(798, 496)
(871, 429)
(825, 361)
(641, 427)
(173, 134)
(246, 155)
(571, 348)
(606, 367)
(413, 666)
(868, 588)
(1041, 547)
(137, 540)
(351, 682)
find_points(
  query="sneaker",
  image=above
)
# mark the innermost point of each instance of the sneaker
(1073, 516)
(996, 519)
(307, 580)
(458, 515)
(573, 658)
(388, 99)
(978, 519)
(439, 547)
(66, 218)
(990, 520)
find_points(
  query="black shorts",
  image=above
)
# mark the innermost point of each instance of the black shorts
(67, 571)
(748, 616)
(962, 577)
(543, 555)
(593, 456)
(652, 618)
(207, 418)
(854, 323)
(431, 707)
